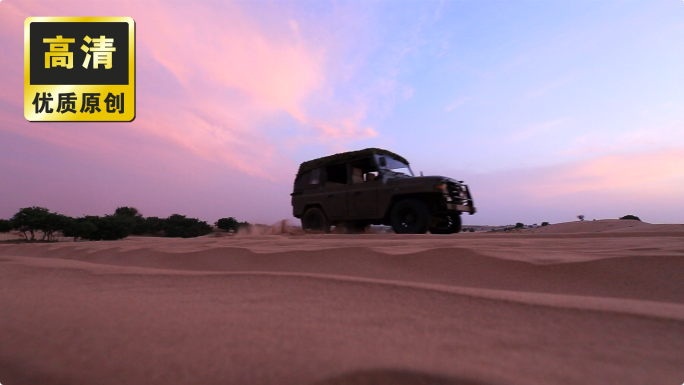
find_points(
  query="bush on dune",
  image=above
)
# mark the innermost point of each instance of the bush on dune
(231, 223)
(139, 225)
(179, 226)
(28, 220)
(6, 226)
(94, 228)
(126, 211)
(81, 228)
(151, 225)
(125, 221)
(112, 227)
(52, 224)
(631, 217)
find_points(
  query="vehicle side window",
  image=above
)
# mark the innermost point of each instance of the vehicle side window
(315, 177)
(364, 170)
(336, 173)
(308, 179)
(303, 180)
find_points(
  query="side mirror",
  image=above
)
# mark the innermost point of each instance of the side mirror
(382, 161)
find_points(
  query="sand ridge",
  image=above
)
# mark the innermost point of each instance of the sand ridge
(347, 309)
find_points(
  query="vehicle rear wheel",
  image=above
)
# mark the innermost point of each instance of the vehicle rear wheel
(314, 219)
(451, 226)
(410, 216)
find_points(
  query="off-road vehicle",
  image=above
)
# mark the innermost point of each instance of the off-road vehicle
(377, 187)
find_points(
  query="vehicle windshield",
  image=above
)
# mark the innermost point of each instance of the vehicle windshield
(392, 166)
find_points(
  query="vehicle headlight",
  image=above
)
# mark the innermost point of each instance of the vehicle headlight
(441, 187)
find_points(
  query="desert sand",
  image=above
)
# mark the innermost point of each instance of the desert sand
(596, 302)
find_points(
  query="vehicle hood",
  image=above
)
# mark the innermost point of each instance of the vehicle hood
(425, 179)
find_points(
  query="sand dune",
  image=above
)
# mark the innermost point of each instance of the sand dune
(563, 306)
(606, 225)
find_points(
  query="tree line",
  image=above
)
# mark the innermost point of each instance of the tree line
(33, 221)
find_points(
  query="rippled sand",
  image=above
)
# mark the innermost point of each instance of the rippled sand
(578, 303)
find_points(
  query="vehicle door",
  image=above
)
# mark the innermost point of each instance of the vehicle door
(307, 191)
(334, 192)
(363, 195)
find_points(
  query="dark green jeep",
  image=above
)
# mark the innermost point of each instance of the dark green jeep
(377, 187)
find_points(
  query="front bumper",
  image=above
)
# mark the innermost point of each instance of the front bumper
(461, 208)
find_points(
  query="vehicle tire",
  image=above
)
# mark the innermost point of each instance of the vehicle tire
(410, 216)
(314, 219)
(453, 225)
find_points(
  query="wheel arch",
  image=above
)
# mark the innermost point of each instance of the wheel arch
(324, 222)
(317, 205)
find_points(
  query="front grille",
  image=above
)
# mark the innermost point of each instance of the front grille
(458, 194)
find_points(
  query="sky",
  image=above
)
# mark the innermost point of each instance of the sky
(546, 109)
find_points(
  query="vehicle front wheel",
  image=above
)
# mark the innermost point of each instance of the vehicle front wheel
(410, 216)
(314, 219)
(451, 226)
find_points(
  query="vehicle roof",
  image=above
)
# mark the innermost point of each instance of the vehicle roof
(346, 157)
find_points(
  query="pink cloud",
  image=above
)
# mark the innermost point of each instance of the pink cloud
(226, 48)
(210, 80)
(650, 172)
(649, 184)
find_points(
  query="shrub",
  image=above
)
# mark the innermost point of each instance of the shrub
(227, 224)
(631, 217)
(52, 223)
(231, 223)
(85, 227)
(580, 217)
(94, 228)
(545, 223)
(28, 220)
(139, 225)
(519, 225)
(112, 227)
(126, 211)
(178, 226)
(151, 225)
(6, 226)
